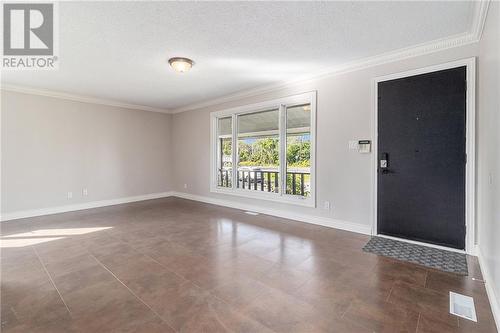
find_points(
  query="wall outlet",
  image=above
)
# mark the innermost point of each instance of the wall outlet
(185, 185)
(85, 192)
(70, 195)
(327, 205)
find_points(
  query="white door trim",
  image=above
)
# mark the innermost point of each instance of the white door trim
(470, 181)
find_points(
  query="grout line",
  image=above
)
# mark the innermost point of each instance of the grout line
(14, 312)
(418, 322)
(165, 267)
(130, 290)
(156, 261)
(51, 280)
(241, 311)
(217, 318)
(148, 256)
(390, 293)
(162, 265)
(346, 309)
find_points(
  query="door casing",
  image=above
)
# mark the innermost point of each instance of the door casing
(470, 182)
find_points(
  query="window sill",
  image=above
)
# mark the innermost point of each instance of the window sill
(267, 196)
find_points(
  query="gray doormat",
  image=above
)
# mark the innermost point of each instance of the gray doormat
(447, 261)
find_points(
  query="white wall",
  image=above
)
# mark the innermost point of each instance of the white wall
(51, 146)
(488, 169)
(344, 112)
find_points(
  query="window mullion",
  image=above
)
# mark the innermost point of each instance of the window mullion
(214, 142)
(234, 143)
(282, 150)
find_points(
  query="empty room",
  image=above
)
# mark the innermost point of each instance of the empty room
(250, 166)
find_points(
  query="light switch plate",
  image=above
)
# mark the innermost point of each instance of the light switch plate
(353, 145)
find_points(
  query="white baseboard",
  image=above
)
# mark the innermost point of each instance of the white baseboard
(324, 221)
(86, 205)
(490, 287)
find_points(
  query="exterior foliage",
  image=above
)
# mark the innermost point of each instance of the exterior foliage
(265, 152)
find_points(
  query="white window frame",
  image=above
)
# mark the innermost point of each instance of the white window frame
(280, 103)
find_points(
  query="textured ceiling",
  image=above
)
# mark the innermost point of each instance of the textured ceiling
(119, 50)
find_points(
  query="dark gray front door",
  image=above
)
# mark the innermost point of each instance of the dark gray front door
(422, 156)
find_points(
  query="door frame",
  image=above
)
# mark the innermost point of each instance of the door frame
(470, 148)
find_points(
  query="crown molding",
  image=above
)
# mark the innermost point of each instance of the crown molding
(397, 55)
(473, 36)
(78, 98)
(479, 18)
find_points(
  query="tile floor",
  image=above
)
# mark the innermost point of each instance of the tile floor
(173, 265)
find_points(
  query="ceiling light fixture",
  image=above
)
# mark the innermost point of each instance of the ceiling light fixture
(180, 64)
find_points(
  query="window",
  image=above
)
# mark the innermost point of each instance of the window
(298, 150)
(224, 152)
(258, 151)
(270, 145)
